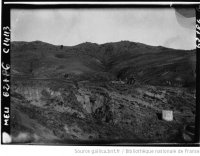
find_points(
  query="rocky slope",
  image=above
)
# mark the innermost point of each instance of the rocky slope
(110, 93)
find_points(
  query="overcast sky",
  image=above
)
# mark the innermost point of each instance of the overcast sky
(163, 27)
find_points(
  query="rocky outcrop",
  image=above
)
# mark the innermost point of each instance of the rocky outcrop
(95, 104)
(101, 111)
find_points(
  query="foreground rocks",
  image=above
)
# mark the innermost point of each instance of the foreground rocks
(50, 111)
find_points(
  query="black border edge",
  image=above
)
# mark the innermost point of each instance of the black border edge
(5, 71)
(95, 6)
(148, 1)
(197, 119)
(5, 58)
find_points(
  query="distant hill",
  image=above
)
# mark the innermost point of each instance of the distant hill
(154, 65)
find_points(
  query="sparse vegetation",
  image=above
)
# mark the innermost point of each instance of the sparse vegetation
(106, 93)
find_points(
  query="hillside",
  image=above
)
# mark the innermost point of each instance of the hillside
(107, 93)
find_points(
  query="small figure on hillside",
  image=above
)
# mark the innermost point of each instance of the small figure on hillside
(66, 75)
(131, 80)
(169, 83)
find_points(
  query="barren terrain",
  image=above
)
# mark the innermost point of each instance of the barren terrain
(108, 93)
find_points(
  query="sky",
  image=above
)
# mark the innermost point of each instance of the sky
(153, 26)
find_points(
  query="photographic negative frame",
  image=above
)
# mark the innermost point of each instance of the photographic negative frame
(12, 80)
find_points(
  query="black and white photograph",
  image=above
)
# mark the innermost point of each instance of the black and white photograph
(103, 76)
